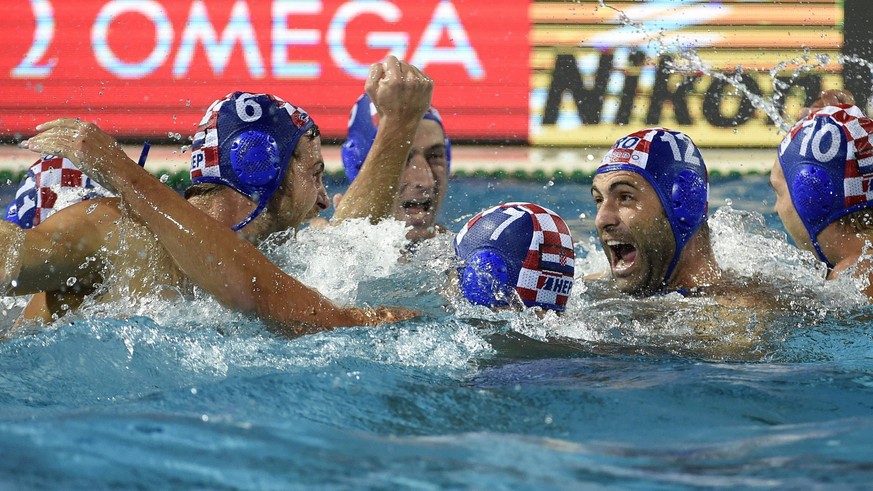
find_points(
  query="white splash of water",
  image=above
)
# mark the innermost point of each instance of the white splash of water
(336, 259)
(744, 244)
(688, 61)
(70, 195)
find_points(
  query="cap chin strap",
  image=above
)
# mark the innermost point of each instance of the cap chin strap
(820, 253)
(672, 266)
(254, 214)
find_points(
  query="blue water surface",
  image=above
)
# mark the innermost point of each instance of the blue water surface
(614, 395)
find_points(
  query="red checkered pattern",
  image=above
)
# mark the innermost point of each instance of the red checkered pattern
(858, 130)
(550, 242)
(51, 175)
(632, 149)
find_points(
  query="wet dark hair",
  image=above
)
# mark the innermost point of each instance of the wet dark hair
(861, 221)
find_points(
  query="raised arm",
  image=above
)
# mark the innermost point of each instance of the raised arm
(401, 94)
(215, 258)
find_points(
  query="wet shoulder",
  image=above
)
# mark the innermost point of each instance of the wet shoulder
(140, 265)
(745, 292)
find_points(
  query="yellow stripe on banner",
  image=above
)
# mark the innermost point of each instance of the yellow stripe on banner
(763, 81)
(726, 60)
(702, 36)
(825, 14)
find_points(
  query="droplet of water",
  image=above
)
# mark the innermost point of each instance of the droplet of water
(590, 157)
(71, 281)
(91, 209)
(582, 216)
(728, 201)
(164, 178)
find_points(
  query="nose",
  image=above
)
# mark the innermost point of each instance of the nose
(607, 215)
(419, 174)
(323, 202)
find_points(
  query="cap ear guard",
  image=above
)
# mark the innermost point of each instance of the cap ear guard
(814, 193)
(354, 152)
(484, 280)
(689, 202)
(254, 156)
(12, 213)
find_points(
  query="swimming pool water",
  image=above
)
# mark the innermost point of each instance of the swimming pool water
(616, 394)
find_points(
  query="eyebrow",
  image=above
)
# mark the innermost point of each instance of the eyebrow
(615, 185)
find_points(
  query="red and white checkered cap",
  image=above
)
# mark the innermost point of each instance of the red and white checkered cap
(535, 245)
(51, 184)
(827, 161)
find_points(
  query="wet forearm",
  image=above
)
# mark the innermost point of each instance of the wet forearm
(373, 192)
(11, 241)
(223, 263)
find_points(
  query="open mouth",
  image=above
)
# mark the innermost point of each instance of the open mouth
(417, 208)
(623, 256)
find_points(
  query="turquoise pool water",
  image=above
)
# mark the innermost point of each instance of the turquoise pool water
(617, 394)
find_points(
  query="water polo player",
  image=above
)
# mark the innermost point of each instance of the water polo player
(424, 179)
(651, 191)
(516, 254)
(822, 183)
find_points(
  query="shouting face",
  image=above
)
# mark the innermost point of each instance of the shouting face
(633, 230)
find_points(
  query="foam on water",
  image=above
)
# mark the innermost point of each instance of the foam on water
(336, 259)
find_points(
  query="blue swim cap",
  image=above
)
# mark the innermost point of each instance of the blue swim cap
(362, 131)
(517, 247)
(245, 142)
(37, 197)
(827, 159)
(673, 165)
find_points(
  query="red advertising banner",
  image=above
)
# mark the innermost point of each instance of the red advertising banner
(146, 68)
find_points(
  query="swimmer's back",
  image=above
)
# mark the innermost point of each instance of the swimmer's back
(84, 244)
